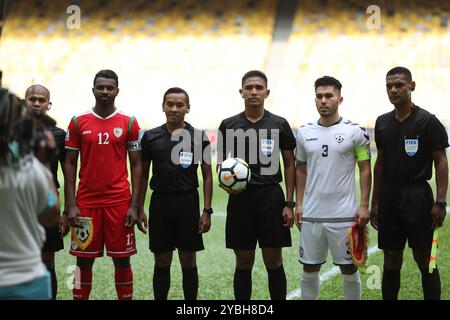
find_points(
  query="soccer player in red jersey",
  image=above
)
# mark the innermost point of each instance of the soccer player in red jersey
(103, 212)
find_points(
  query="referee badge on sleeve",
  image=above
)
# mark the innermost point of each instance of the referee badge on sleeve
(82, 236)
(186, 159)
(411, 146)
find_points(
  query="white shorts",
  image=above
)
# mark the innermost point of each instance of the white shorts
(317, 238)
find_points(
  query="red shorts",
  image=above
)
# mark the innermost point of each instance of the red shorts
(103, 227)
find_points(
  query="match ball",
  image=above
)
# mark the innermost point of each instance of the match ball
(234, 174)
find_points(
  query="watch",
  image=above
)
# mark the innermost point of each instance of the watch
(209, 211)
(441, 204)
(290, 204)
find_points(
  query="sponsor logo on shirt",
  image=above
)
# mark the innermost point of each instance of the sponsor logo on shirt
(411, 146)
(86, 132)
(312, 139)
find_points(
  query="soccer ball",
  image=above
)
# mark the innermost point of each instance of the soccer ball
(234, 174)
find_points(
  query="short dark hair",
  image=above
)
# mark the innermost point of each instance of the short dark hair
(107, 74)
(176, 90)
(400, 70)
(254, 73)
(328, 81)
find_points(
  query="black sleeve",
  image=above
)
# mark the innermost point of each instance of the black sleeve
(221, 141)
(206, 149)
(435, 134)
(378, 140)
(60, 141)
(146, 155)
(287, 139)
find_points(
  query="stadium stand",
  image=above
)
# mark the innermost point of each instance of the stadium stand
(202, 46)
(206, 46)
(334, 38)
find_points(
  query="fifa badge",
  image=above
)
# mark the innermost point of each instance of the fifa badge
(186, 159)
(267, 146)
(411, 146)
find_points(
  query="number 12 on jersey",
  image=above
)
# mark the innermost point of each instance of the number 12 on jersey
(105, 138)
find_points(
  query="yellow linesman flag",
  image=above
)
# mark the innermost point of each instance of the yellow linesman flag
(434, 250)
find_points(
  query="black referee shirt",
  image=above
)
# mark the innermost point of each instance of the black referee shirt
(408, 146)
(60, 137)
(180, 173)
(273, 134)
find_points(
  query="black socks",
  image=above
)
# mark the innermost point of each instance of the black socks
(161, 282)
(277, 283)
(390, 284)
(431, 284)
(190, 283)
(242, 284)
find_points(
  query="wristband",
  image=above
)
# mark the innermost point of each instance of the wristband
(209, 211)
(289, 204)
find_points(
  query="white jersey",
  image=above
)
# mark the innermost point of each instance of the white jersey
(330, 154)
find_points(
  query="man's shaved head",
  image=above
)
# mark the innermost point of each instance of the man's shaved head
(38, 97)
(37, 88)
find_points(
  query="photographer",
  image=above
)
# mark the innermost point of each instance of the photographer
(28, 199)
(50, 150)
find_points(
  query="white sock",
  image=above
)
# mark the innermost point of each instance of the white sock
(310, 285)
(352, 286)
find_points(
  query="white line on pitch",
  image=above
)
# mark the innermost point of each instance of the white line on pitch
(327, 275)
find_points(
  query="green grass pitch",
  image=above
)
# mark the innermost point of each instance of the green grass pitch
(216, 267)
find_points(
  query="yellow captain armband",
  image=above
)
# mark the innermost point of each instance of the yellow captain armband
(362, 153)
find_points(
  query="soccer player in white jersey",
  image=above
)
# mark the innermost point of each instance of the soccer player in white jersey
(326, 207)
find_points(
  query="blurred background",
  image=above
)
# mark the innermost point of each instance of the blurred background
(206, 46)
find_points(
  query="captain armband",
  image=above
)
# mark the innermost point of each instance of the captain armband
(363, 153)
(134, 145)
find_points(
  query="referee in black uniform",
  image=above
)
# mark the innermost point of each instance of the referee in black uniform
(409, 139)
(175, 150)
(260, 213)
(37, 97)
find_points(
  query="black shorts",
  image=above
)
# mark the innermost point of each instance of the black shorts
(53, 241)
(256, 215)
(405, 214)
(173, 222)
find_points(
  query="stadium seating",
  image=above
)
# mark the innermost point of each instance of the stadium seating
(335, 40)
(206, 46)
(202, 46)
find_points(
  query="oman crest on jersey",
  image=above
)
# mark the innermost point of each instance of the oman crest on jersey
(411, 146)
(339, 137)
(118, 132)
(82, 236)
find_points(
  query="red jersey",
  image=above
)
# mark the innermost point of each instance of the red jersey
(103, 145)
